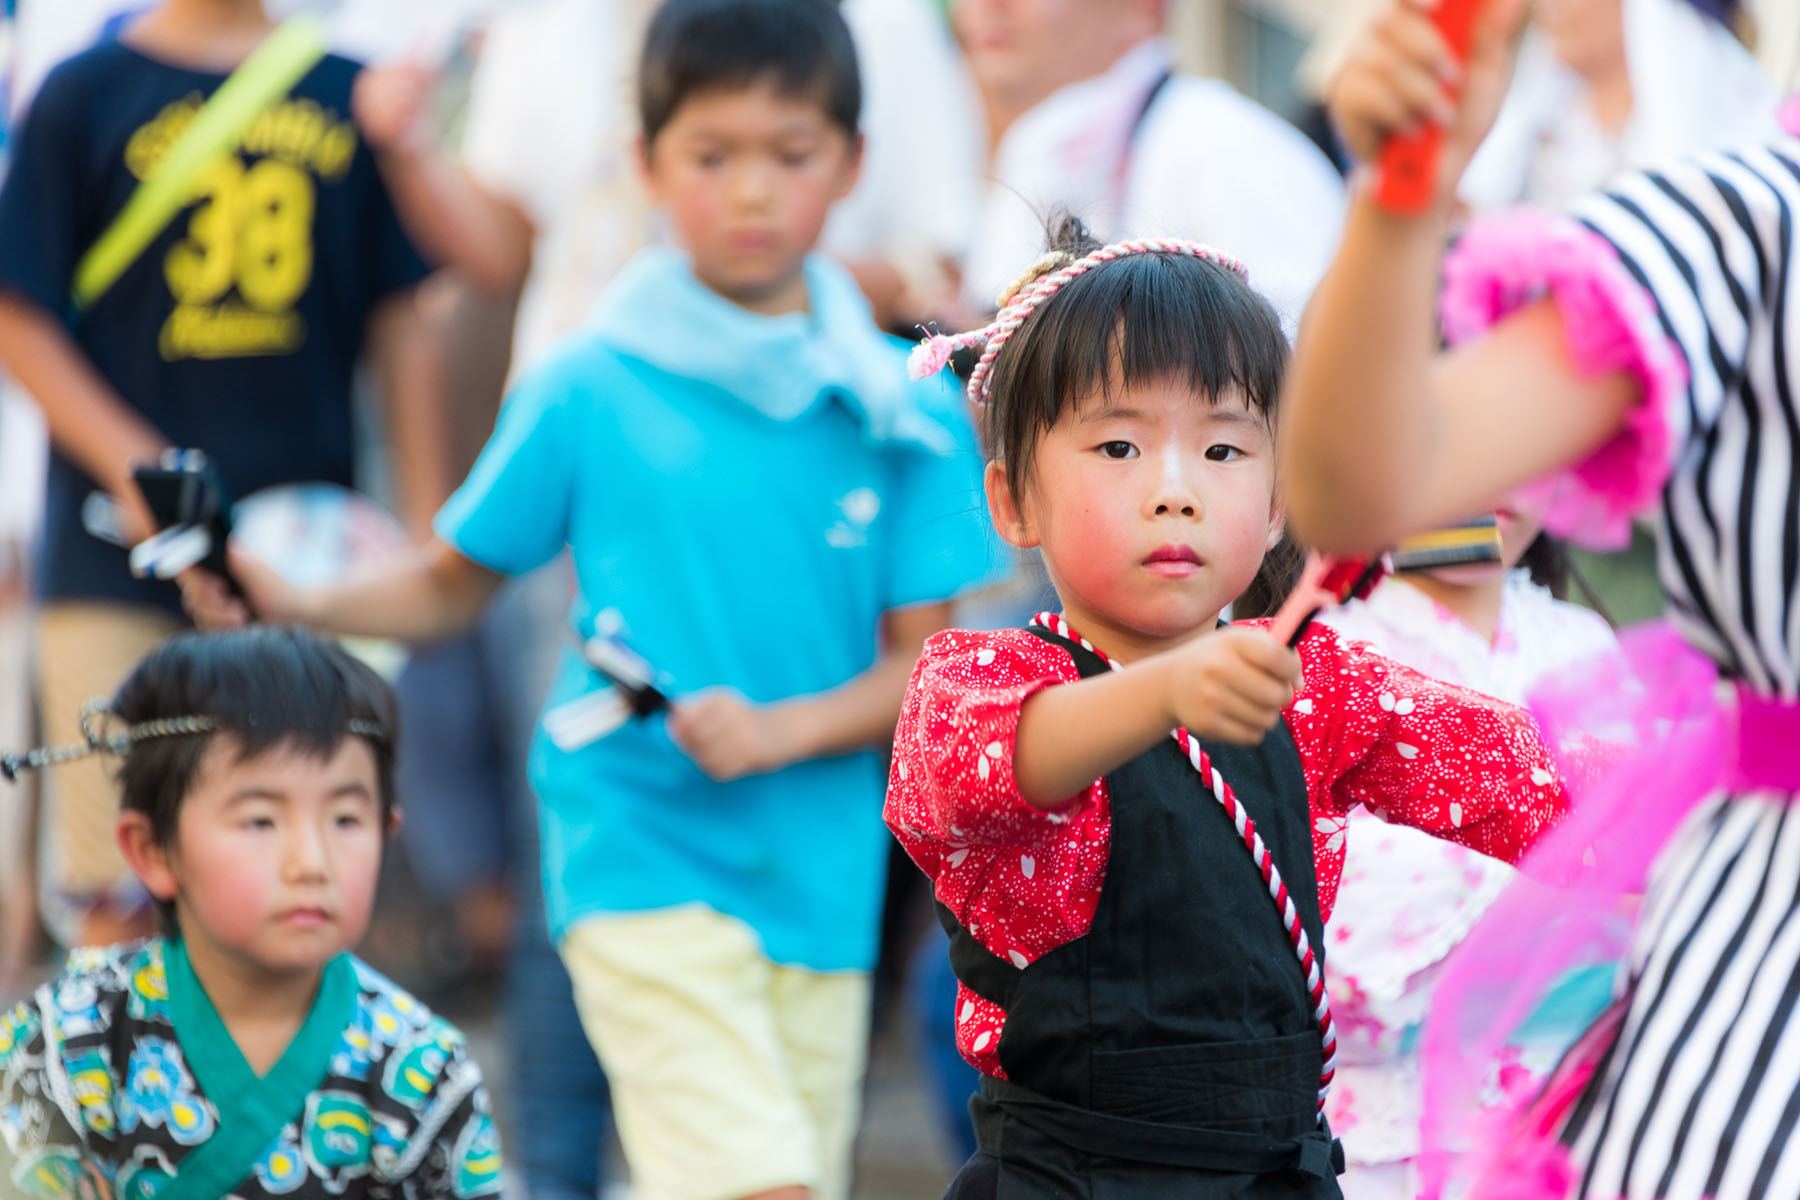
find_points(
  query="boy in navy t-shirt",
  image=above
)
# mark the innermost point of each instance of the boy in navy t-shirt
(236, 331)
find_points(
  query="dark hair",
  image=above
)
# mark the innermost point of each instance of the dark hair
(802, 47)
(1547, 562)
(264, 687)
(1275, 579)
(1139, 319)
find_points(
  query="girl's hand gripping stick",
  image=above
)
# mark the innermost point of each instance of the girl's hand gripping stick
(1409, 164)
(1325, 581)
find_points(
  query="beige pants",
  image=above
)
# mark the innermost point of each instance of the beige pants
(730, 1074)
(85, 650)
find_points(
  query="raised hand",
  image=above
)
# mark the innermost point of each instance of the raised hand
(390, 104)
(1402, 75)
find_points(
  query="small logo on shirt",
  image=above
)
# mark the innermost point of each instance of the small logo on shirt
(859, 507)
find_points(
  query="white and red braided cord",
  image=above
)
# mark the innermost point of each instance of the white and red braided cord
(1259, 853)
(930, 356)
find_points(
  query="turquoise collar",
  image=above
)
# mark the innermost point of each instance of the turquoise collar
(252, 1109)
(782, 367)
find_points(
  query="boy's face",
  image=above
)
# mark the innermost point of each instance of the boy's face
(274, 858)
(748, 177)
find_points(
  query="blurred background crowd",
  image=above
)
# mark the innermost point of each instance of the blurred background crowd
(1194, 117)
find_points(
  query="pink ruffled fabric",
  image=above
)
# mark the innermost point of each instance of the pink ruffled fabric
(1670, 741)
(1513, 259)
(1790, 116)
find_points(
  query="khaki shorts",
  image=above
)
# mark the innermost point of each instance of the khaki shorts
(730, 1075)
(86, 650)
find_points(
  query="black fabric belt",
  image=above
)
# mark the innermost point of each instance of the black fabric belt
(1314, 1154)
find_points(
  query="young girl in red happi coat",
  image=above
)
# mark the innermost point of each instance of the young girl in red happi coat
(1133, 817)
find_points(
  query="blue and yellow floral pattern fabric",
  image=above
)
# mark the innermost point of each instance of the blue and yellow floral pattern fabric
(98, 1100)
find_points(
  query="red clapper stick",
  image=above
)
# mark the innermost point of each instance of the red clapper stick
(1326, 581)
(1409, 164)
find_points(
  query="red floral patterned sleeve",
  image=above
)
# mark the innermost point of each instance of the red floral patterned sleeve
(1415, 751)
(1022, 881)
(952, 777)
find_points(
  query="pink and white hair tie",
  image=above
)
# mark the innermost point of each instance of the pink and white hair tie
(934, 353)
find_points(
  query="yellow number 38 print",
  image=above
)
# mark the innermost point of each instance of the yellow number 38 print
(253, 229)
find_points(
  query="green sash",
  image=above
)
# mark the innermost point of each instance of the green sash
(252, 1110)
(272, 69)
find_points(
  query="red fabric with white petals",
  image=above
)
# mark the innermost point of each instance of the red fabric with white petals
(1023, 881)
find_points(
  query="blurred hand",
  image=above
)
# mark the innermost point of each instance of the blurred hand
(209, 601)
(212, 605)
(390, 104)
(1232, 685)
(133, 515)
(728, 737)
(1401, 76)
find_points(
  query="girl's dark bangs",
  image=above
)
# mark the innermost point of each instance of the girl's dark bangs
(1149, 319)
(1136, 321)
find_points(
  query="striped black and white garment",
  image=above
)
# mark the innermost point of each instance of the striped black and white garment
(1699, 1096)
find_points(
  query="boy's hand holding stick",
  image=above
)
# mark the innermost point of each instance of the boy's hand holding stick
(729, 737)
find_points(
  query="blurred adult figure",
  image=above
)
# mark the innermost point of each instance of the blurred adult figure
(1086, 111)
(1602, 86)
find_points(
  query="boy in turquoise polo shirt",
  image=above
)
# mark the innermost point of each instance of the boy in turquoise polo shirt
(776, 518)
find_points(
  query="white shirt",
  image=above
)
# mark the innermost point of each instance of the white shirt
(1202, 162)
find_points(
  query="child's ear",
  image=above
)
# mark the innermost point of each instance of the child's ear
(394, 820)
(1277, 521)
(147, 858)
(853, 162)
(1004, 510)
(640, 158)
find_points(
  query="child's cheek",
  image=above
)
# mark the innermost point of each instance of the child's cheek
(235, 894)
(1091, 545)
(355, 873)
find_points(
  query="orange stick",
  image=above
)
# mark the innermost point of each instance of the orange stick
(1409, 165)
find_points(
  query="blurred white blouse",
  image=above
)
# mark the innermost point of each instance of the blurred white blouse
(1694, 86)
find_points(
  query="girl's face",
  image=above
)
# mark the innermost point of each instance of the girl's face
(1520, 525)
(1153, 508)
(1585, 35)
(275, 857)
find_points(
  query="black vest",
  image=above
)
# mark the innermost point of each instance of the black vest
(1172, 1051)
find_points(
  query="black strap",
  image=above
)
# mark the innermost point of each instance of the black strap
(1143, 113)
(1316, 1154)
